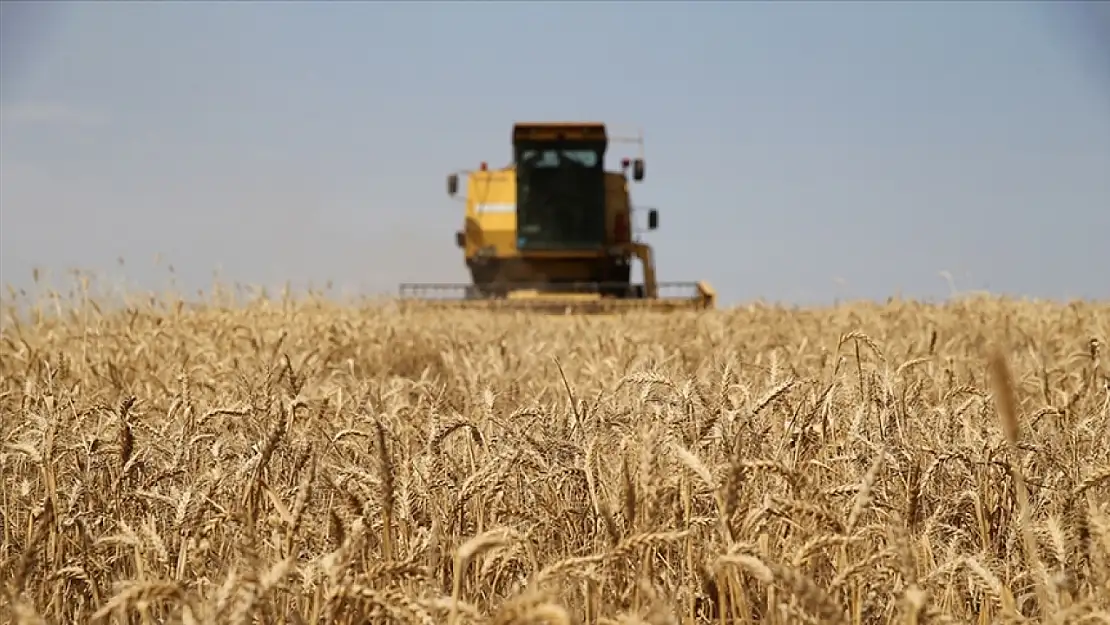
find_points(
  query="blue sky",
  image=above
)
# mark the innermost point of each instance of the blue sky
(797, 152)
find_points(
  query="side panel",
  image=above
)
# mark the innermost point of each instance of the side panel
(491, 212)
(616, 208)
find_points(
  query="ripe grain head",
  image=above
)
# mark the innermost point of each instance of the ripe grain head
(299, 461)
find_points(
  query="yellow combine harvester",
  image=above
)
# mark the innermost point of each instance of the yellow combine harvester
(553, 231)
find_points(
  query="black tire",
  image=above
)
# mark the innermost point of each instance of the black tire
(616, 276)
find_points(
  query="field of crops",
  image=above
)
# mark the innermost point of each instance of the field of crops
(304, 462)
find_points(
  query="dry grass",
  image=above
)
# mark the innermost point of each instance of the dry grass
(308, 462)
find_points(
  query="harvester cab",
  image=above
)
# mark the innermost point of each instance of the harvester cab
(555, 229)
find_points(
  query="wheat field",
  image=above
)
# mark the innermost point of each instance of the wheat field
(306, 461)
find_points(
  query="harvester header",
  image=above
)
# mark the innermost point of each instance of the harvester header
(554, 230)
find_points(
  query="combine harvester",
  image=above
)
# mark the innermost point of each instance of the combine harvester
(553, 232)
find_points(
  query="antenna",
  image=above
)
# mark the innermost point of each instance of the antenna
(624, 136)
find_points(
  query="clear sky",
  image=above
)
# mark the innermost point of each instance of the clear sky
(797, 152)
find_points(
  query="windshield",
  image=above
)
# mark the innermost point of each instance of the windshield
(553, 159)
(560, 197)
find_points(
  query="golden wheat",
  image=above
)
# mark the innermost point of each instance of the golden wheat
(305, 461)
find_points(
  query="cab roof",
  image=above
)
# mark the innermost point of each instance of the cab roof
(556, 131)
